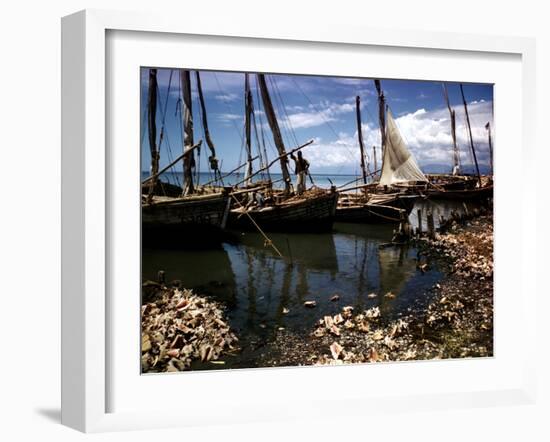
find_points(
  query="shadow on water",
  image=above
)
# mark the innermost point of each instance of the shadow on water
(263, 292)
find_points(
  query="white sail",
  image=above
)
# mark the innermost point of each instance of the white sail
(398, 164)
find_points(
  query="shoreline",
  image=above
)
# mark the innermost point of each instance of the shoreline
(181, 328)
(457, 323)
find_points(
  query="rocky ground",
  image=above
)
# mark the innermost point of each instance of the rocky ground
(178, 327)
(458, 322)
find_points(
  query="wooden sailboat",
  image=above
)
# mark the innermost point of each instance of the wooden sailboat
(198, 211)
(282, 210)
(376, 204)
(456, 186)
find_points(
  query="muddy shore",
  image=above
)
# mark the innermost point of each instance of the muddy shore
(457, 323)
(180, 327)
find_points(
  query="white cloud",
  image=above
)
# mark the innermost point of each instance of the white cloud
(226, 98)
(427, 133)
(332, 154)
(317, 115)
(228, 119)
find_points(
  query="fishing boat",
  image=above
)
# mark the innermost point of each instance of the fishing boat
(273, 209)
(194, 213)
(383, 201)
(457, 186)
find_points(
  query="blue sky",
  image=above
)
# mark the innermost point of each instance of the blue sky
(323, 109)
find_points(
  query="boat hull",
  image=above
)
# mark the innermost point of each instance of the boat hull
(370, 214)
(185, 220)
(309, 214)
(377, 209)
(402, 201)
(463, 195)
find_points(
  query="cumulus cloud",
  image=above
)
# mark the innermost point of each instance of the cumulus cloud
(227, 97)
(317, 115)
(229, 119)
(340, 155)
(427, 134)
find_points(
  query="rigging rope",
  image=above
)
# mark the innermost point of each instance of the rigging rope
(324, 119)
(263, 162)
(164, 133)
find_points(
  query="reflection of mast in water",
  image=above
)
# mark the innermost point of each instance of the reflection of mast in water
(285, 288)
(363, 277)
(395, 270)
(302, 287)
(402, 254)
(314, 251)
(251, 287)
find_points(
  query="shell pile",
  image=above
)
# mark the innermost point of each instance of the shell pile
(469, 248)
(179, 327)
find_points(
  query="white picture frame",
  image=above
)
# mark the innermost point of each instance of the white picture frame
(86, 316)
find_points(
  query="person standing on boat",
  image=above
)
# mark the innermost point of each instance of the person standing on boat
(301, 169)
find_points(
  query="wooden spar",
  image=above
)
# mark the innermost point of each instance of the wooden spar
(374, 156)
(188, 160)
(279, 158)
(362, 186)
(164, 169)
(488, 127)
(255, 189)
(357, 179)
(231, 172)
(381, 115)
(456, 155)
(360, 138)
(470, 133)
(212, 158)
(152, 126)
(247, 126)
(274, 125)
(249, 190)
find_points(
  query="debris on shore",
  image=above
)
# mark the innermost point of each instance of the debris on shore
(457, 323)
(179, 327)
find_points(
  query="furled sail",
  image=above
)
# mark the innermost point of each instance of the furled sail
(398, 164)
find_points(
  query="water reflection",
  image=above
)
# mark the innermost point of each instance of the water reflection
(264, 292)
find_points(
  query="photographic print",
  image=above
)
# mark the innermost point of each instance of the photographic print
(300, 220)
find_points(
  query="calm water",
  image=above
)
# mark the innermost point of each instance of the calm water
(256, 285)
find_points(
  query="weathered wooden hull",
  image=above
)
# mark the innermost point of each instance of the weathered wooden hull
(313, 213)
(377, 209)
(190, 219)
(397, 200)
(369, 214)
(465, 194)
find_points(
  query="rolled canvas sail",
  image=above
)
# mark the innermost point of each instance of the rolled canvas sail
(398, 164)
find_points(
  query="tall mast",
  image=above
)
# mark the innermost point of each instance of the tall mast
(456, 155)
(152, 126)
(381, 115)
(470, 133)
(274, 125)
(212, 158)
(374, 158)
(188, 159)
(247, 125)
(360, 138)
(488, 127)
